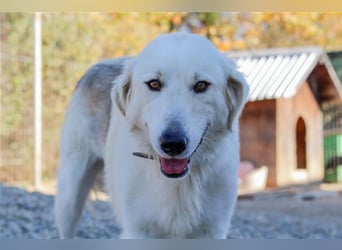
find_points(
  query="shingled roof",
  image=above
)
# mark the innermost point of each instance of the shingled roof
(276, 73)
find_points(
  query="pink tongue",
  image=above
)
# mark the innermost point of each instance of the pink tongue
(173, 166)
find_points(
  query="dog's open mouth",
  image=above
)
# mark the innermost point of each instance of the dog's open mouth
(174, 168)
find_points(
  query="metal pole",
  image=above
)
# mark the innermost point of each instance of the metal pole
(37, 101)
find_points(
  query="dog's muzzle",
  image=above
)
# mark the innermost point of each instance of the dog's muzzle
(173, 167)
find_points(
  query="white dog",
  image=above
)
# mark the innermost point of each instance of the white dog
(165, 125)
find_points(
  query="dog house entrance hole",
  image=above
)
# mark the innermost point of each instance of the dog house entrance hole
(301, 143)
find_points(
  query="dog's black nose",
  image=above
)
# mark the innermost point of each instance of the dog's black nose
(173, 143)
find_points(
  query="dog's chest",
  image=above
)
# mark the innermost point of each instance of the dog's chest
(175, 210)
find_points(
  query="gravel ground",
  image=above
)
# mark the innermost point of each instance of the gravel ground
(284, 214)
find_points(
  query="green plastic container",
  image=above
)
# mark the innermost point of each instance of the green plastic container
(333, 158)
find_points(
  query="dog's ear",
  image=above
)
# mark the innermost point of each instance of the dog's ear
(236, 93)
(121, 91)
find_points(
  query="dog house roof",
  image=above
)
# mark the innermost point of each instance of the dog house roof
(276, 73)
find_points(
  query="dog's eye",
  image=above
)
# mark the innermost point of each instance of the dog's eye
(154, 85)
(201, 86)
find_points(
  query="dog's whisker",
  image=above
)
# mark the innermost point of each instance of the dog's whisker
(143, 155)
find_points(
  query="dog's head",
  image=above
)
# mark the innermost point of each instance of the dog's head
(177, 92)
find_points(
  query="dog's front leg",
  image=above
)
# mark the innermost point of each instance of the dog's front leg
(76, 176)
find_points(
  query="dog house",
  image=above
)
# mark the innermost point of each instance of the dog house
(281, 126)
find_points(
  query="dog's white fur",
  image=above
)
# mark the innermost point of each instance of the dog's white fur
(146, 203)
